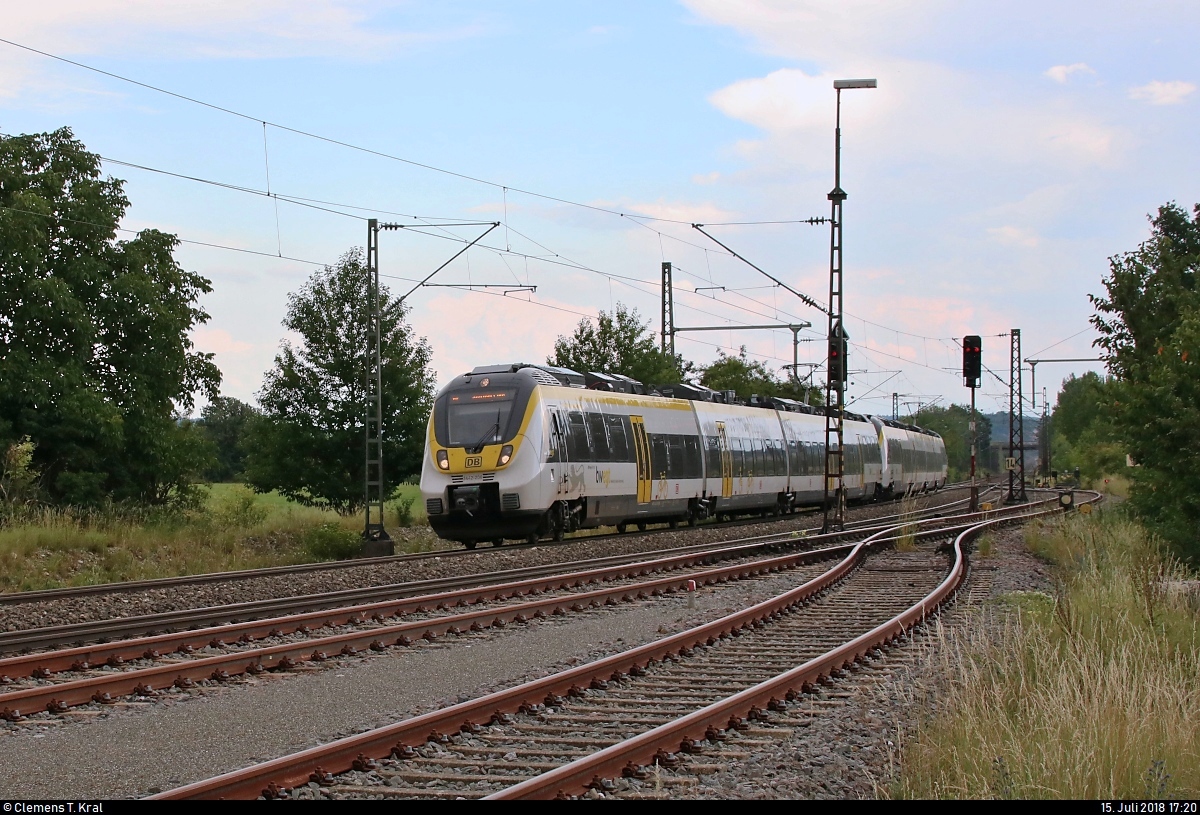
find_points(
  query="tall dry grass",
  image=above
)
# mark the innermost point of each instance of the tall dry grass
(1094, 693)
(43, 547)
(906, 539)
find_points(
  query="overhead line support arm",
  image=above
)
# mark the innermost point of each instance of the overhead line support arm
(805, 298)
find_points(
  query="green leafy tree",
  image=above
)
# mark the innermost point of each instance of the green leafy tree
(224, 421)
(953, 424)
(308, 442)
(96, 363)
(1082, 430)
(746, 377)
(618, 343)
(1149, 326)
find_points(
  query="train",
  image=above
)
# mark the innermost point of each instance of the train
(525, 452)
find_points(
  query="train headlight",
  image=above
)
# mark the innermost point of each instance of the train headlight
(443, 460)
(505, 455)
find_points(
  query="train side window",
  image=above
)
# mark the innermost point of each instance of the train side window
(794, 457)
(618, 444)
(577, 440)
(600, 450)
(712, 453)
(760, 458)
(660, 457)
(735, 454)
(677, 461)
(557, 450)
(691, 457)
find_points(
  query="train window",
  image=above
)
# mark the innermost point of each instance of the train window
(660, 456)
(754, 465)
(618, 444)
(677, 464)
(691, 455)
(712, 452)
(735, 451)
(577, 440)
(600, 450)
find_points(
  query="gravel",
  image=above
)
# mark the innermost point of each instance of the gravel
(848, 746)
(136, 748)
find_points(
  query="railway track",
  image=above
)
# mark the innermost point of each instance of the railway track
(58, 680)
(684, 694)
(73, 592)
(357, 599)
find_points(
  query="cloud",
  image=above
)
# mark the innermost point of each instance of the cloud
(214, 340)
(1014, 236)
(846, 31)
(706, 178)
(491, 329)
(1162, 93)
(229, 29)
(922, 111)
(1061, 73)
(688, 213)
(217, 28)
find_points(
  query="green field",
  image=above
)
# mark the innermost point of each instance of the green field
(234, 529)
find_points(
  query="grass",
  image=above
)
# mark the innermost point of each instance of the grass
(235, 529)
(1090, 694)
(906, 540)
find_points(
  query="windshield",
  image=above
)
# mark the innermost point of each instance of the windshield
(479, 418)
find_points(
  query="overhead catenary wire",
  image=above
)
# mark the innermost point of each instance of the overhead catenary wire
(504, 188)
(356, 147)
(106, 227)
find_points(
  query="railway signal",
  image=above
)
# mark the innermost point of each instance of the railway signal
(837, 354)
(972, 361)
(972, 370)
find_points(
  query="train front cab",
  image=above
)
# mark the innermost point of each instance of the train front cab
(480, 474)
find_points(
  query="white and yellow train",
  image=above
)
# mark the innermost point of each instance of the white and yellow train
(525, 451)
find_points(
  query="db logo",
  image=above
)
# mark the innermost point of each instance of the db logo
(474, 461)
(483, 383)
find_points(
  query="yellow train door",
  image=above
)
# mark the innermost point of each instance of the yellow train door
(641, 447)
(726, 462)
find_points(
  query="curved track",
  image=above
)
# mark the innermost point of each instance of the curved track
(693, 695)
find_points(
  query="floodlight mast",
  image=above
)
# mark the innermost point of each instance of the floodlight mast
(835, 382)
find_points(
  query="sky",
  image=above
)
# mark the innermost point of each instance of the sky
(1008, 151)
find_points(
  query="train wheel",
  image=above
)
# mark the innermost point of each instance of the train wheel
(692, 520)
(558, 522)
(641, 526)
(532, 537)
(673, 523)
(621, 527)
(469, 544)
(497, 541)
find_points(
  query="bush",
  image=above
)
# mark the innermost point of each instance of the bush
(404, 512)
(239, 509)
(330, 541)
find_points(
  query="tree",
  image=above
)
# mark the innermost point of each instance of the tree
(618, 343)
(953, 424)
(225, 421)
(308, 442)
(747, 377)
(1082, 430)
(95, 357)
(1149, 326)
